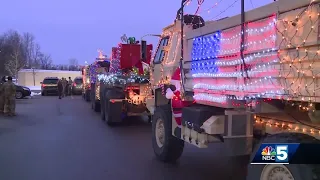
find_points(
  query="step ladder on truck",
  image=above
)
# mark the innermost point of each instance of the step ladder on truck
(240, 84)
(125, 88)
(86, 83)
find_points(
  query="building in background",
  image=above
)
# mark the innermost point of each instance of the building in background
(33, 77)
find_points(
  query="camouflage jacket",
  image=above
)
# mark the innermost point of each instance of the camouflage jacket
(64, 83)
(8, 89)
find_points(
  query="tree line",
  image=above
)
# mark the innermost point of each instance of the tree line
(21, 51)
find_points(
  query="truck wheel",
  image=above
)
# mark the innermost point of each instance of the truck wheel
(87, 96)
(167, 148)
(149, 119)
(107, 113)
(113, 111)
(102, 107)
(285, 172)
(102, 112)
(95, 106)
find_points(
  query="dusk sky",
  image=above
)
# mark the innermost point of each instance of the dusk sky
(76, 29)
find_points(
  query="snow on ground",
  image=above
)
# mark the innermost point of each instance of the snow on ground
(34, 88)
(35, 94)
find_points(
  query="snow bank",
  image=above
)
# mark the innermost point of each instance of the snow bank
(35, 94)
(49, 71)
(34, 88)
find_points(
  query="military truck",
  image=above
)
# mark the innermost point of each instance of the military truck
(241, 81)
(123, 91)
(100, 66)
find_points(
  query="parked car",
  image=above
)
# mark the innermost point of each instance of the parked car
(77, 86)
(21, 91)
(49, 86)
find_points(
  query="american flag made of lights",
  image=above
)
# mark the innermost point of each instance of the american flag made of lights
(218, 71)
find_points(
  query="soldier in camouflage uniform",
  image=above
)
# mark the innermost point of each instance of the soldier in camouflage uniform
(64, 84)
(9, 89)
(69, 86)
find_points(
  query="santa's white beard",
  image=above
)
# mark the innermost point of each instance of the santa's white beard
(169, 93)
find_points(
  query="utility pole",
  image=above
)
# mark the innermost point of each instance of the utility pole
(181, 42)
(242, 28)
(34, 76)
(244, 68)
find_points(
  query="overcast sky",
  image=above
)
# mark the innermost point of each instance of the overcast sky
(76, 29)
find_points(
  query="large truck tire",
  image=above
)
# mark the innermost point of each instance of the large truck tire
(167, 148)
(113, 110)
(87, 95)
(284, 172)
(102, 106)
(95, 105)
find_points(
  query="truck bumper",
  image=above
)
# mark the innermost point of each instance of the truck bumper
(131, 109)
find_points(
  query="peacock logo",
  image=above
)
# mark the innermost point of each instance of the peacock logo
(268, 151)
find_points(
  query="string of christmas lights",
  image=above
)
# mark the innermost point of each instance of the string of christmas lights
(230, 6)
(299, 55)
(284, 76)
(198, 12)
(286, 126)
(115, 60)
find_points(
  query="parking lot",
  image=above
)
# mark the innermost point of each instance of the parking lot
(64, 139)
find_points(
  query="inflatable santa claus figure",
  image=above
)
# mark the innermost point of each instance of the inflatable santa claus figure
(176, 102)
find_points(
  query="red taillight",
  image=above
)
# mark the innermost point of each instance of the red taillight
(74, 84)
(43, 85)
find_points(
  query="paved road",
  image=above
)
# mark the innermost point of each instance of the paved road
(53, 139)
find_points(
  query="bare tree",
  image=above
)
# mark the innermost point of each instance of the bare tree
(73, 64)
(17, 58)
(2, 56)
(28, 45)
(33, 51)
(36, 56)
(45, 61)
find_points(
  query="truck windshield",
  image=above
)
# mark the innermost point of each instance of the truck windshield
(161, 53)
(105, 65)
(78, 81)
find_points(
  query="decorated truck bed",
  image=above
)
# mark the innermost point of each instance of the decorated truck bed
(124, 89)
(280, 57)
(248, 82)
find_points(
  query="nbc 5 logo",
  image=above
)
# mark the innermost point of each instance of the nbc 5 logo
(282, 153)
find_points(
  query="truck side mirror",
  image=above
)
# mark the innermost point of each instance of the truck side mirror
(143, 50)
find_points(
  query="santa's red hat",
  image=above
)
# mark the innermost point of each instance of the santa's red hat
(176, 76)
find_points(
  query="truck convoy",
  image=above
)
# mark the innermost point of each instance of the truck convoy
(122, 88)
(241, 81)
(91, 86)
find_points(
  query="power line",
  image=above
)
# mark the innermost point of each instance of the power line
(252, 4)
(231, 5)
